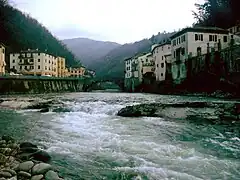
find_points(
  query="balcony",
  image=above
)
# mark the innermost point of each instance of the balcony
(26, 62)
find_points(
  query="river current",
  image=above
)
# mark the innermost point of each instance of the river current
(91, 142)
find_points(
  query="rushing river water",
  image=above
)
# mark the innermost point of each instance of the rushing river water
(91, 142)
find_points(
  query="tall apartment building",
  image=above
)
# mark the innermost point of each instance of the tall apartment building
(61, 67)
(162, 58)
(2, 59)
(33, 62)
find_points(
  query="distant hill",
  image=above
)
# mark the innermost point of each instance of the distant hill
(19, 31)
(88, 50)
(112, 64)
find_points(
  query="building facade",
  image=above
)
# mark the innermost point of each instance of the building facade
(77, 72)
(146, 65)
(2, 59)
(161, 57)
(193, 42)
(33, 62)
(61, 67)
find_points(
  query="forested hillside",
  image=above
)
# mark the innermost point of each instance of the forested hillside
(89, 50)
(19, 31)
(112, 65)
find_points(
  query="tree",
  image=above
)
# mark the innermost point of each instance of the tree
(220, 13)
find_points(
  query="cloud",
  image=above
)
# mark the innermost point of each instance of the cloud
(115, 20)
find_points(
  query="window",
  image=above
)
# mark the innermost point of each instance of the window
(38, 54)
(174, 55)
(162, 57)
(49, 62)
(225, 39)
(38, 60)
(13, 67)
(20, 67)
(25, 67)
(210, 38)
(231, 31)
(31, 60)
(13, 60)
(13, 54)
(162, 74)
(157, 65)
(184, 38)
(32, 67)
(162, 48)
(162, 65)
(45, 60)
(45, 67)
(168, 47)
(146, 60)
(49, 68)
(215, 38)
(174, 42)
(183, 51)
(3, 51)
(196, 37)
(39, 67)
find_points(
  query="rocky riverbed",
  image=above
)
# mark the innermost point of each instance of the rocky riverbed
(24, 161)
(204, 110)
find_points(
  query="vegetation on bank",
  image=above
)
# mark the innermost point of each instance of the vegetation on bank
(19, 31)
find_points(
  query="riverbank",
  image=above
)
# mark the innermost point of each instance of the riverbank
(24, 161)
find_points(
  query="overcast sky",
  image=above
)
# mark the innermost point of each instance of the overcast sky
(122, 21)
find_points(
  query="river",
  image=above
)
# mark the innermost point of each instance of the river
(91, 142)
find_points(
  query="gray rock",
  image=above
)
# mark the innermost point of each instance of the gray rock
(27, 145)
(37, 177)
(13, 146)
(7, 138)
(44, 110)
(24, 174)
(4, 178)
(2, 142)
(26, 166)
(10, 171)
(42, 156)
(13, 178)
(6, 151)
(3, 159)
(5, 174)
(51, 175)
(41, 168)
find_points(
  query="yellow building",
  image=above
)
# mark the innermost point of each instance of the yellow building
(33, 62)
(61, 67)
(77, 72)
(2, 59)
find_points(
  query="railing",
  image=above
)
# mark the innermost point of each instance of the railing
(14, 77)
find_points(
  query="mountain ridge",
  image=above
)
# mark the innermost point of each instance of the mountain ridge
(89, 50)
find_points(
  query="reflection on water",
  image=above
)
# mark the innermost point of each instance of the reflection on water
(91, 142)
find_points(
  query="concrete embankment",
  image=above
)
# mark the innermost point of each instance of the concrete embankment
(32, 85)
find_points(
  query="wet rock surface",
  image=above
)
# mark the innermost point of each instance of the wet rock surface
(209, 110)
(24, 161)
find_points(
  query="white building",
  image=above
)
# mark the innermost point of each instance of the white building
(2, 59)
(33, 62)
(193, 42)
(161, 57)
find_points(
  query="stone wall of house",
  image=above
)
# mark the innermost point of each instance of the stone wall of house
(33, 86)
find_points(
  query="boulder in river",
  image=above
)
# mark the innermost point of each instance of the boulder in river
(41, 168)
(208, 110)
(44, 110)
